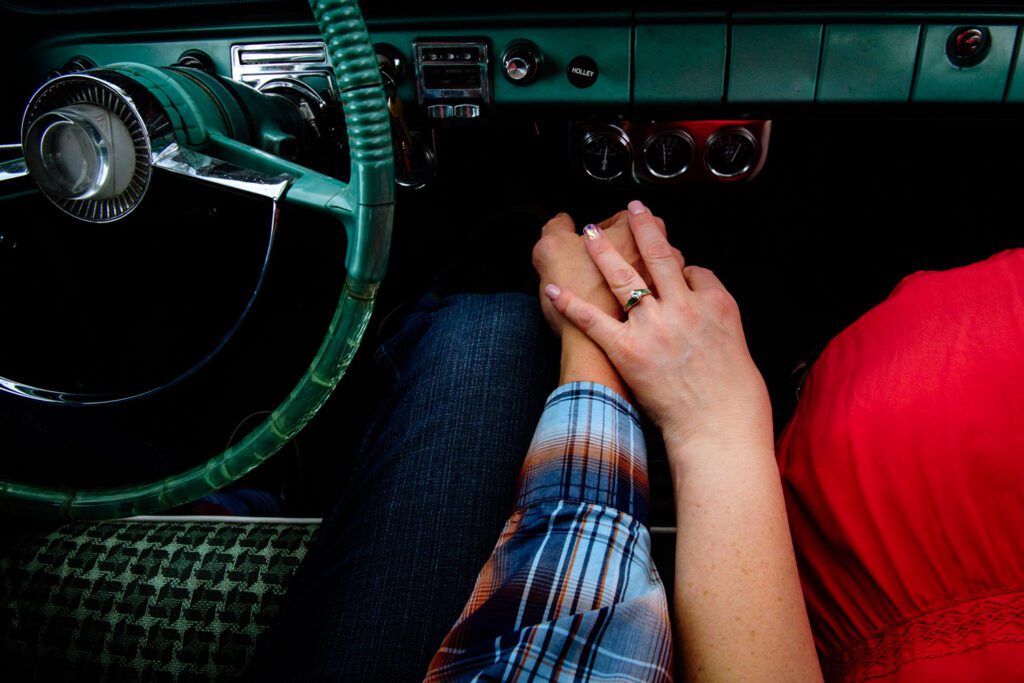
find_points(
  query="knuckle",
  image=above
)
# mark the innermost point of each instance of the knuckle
(650, 220)
(620, 277)
(659, 251)
(540, 251)
(585, 318)
(721, 301)
(557, 222)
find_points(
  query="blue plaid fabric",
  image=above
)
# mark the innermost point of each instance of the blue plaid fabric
(570, 591)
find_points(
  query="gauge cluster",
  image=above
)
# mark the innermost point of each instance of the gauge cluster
(670, 152)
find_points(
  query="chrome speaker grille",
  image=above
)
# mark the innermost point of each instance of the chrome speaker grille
(83, 89)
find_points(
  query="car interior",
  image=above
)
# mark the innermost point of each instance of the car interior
(211, 212)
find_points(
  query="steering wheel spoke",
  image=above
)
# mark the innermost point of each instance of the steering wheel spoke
(12, 168)
(208, 169)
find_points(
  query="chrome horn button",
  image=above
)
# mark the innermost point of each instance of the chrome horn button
(80, 152)
(87, 148)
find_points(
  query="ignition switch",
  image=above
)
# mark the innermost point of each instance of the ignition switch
(521, 62)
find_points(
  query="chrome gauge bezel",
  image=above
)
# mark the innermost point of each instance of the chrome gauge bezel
(620, 136)
(674, 132)
(714, 137)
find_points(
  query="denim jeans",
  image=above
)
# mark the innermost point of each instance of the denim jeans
(395, 561)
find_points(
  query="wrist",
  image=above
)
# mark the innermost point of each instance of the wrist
(584, 361)
(719, 443)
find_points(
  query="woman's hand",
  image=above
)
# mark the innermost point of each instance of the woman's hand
(739, 612)
(560, 256)
(682, 351)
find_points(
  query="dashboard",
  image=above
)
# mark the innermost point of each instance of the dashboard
(653, 96)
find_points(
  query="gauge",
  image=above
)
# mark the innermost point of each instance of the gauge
(730, 153)
(606, 153)
(668, 154)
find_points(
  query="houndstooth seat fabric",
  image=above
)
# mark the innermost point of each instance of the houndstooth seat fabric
(143, 600)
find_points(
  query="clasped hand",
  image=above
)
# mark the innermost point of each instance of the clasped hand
(681, 350)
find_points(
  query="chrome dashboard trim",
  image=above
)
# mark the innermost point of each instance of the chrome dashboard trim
(224, 519)
(427, 54)
(255, 64)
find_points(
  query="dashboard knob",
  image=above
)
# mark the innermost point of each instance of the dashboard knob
(968, 46)
(521, 62)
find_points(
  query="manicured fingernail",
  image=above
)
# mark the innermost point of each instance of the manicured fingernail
(636, 207)
(592, 232)
(552, 291)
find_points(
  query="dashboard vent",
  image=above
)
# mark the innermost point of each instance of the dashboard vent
(256, 64)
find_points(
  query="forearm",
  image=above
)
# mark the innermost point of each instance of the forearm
(570, 590)
(739, 609)
(584, 361)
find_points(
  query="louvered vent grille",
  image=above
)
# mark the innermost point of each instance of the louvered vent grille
(258, 63)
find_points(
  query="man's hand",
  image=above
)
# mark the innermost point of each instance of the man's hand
(561, 257)
(682, 352)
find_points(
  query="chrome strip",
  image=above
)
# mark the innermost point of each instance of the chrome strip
(223, 518)
(196, 165)
(9, 170)
(12, 168)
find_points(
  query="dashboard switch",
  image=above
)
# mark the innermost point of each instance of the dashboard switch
(968, 45)
(440, 111)
(582, 71)
(521, 62)
(467, 111)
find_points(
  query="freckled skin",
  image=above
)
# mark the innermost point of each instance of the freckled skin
(739, 609)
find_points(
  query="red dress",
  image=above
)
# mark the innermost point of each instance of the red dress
(903, 469)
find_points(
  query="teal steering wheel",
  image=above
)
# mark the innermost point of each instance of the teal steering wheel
(364, 205)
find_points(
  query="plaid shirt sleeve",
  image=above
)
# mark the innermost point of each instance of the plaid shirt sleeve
(570, 591)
